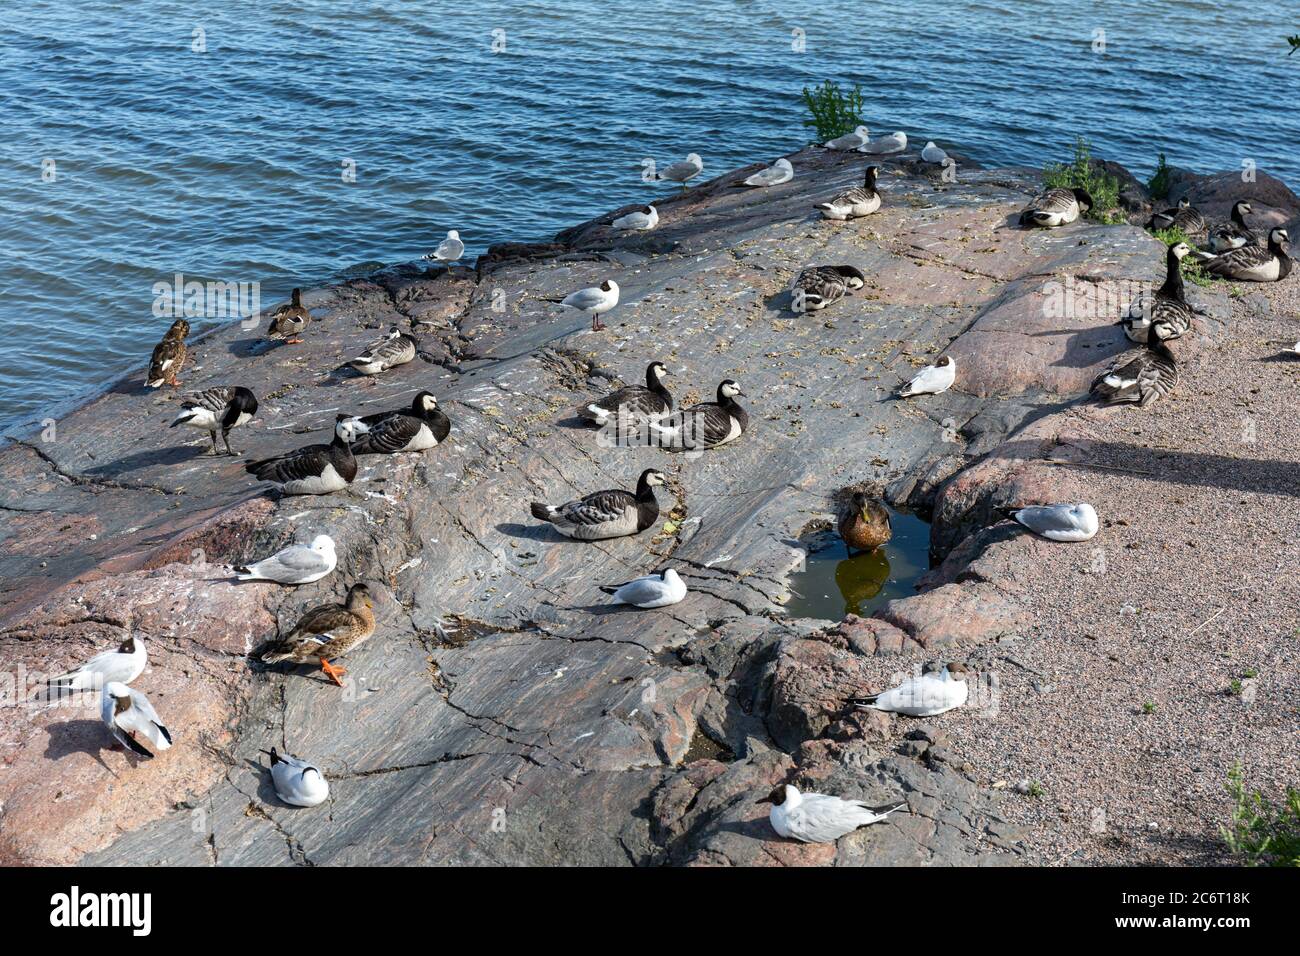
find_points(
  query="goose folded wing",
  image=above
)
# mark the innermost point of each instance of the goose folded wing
(389, 434)
(295, 466)
(213, 399)
(599, 508)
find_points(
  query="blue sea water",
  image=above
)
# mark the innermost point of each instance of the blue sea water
(212, 141)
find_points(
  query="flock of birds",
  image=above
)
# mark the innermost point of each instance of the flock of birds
(646, 413)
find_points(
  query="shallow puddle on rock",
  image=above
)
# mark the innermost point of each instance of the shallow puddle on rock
(704, 747)
(834, 584)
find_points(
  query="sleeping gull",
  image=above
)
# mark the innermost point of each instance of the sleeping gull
(1064, 522)
(127, 712)
(296, 564)
(933, 154)
(296, 781)
(932, 379)
(930, 694)
(859, 137)
(653, 590)
(819, 818)
(779, 172)
(682, 170)
(643, 220)
(893, 143)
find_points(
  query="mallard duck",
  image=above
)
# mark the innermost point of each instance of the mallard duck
(314, 469)
(1184, 217)
(1056, 207)
(1168, 302)
(864, 523)
(642, 220)
(779, 172)
(859, 137)
(637, 403)
(421, 426)
(932, 379)
(395, 348)
(127, 712)
(936, 691)
(296, 564)
(855, 202)
(121, 665)
(288, 321)
(297, 782)
(328, 632)
(706, 425)
(1269, 263)
(819, 817)
(169, 356)
(1140, 375)
(1065, 522)
(682, 170)
(819, 286)
(219, 408)
(606, 514)
(1234, 233)
(596, 300)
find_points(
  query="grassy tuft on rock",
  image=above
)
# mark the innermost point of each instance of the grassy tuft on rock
(1264, 834)
(1082, 174)
(1192, 270)
(1158, 184)
(834, 112)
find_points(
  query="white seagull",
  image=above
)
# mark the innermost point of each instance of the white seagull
(682, 170)
(893, 143)
(653, 590)
(296, 564)
(779, 172)
(858, 138)
(1063, 522)
(932, 379)
(450, 250)
(643, 220)
(819, 818)
(120, 666)
(925, 696)
(127, 712)
(596, 300)
(296, 781)
(932, 153)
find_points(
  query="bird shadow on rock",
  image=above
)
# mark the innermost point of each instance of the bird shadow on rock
(147, 459)
(531, 532)
(80, 736)
(1083, 346)
(1286, 355)
(252, 347)
(576, 422)
(781, 302)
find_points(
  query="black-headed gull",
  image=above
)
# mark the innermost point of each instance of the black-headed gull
(121, 666)
(1062, 522)
(650, 591)
(296, 564)
(642, 220)
(126, 713)
(596, 300)
(928, 695)
(932, 379)
(819, 818)
(296, 781)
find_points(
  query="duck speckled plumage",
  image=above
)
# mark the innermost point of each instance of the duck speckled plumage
(288, 321)
(864, 522)
(327, 632)
(169, 356)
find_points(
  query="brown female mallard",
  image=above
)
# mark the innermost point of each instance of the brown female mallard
(327, 632)
(864, 523)
(169, 356)
(289, 320)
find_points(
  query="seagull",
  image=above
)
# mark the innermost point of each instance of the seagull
(933, 154)
(449, 251)
(929, 695)
(858, 138)
(296, 564)
(126, 712)
(779, 172)
(643, 220)
(653, 590)
(893, 143)
(219, 408)
(819, 818)
(932, 379)
(296, 781)
(1057, 522)
(120, 666)
(682, 170)
(596, 300)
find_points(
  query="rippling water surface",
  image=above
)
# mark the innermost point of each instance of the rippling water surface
(226, 164)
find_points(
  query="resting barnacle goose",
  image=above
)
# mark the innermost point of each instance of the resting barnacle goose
(169, 356)
(288, 321)
(1184, 217)
(606, 514)
(395, 348)
(855, 202)
(1234, 233)
(1168, 303)
(416, 428)
(315, 469)
(1056, 207)
(818, 286)
(706, 425)
(637, 403)
(1140, 375)
(1269, 263)
(222, 408)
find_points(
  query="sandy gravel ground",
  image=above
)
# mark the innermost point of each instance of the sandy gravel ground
(1118, 705)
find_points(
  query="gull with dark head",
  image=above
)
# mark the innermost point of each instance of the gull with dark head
(820, 818)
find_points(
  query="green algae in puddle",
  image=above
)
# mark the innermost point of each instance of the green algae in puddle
(704, 747)
(834, 584)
